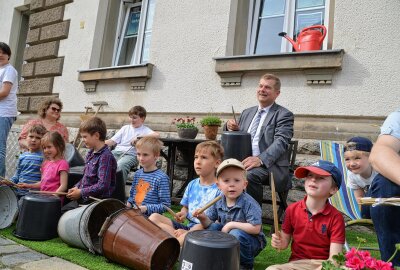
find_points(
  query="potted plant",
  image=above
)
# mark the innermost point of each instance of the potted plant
(210, 126)
(186, 127)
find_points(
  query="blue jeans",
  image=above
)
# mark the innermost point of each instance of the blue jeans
(125, 163)
(250, 245)
(386, 218)
(5, 126)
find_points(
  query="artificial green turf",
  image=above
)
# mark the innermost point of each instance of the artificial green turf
(57, 248)
(267, 257)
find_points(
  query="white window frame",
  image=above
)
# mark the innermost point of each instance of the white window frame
(288, 25)
(125, 9)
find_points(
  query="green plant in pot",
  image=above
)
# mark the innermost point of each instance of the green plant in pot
(210, 126)
(186, 127)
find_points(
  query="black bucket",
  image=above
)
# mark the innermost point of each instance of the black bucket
(75, 174)
(72, 156)
(211, 250)
(38, 217)
(236, 144)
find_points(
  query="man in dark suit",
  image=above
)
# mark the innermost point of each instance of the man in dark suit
(271, 129)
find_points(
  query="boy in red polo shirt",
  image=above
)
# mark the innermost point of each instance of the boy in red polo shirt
(315, 227)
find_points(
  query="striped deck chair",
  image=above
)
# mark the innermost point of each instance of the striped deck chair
(344, 200)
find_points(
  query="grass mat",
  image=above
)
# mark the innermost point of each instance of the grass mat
(57, 248)
(269, 256)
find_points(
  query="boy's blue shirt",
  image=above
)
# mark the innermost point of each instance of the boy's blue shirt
(28, 170)
(196, 196)
(245, 210)
(154, 186)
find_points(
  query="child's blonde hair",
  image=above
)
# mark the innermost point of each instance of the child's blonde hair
(56, 139)
(217, 151)
(151, 143)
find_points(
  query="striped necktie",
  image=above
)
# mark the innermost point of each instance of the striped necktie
(256, 123)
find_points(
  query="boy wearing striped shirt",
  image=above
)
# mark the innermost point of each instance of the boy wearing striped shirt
(150, 186)
(29, 162)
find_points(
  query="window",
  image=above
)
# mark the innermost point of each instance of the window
(267, 18)
(134, 32)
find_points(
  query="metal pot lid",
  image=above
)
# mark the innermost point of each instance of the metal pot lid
(8, 206)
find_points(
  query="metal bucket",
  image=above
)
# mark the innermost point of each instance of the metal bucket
(8, 206)
(211, 250)
(132, 240)
(236, 144)
(38, 217)
(72, 156)
(80, 227)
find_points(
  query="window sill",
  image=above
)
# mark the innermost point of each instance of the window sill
(136, 75)
(318, 66)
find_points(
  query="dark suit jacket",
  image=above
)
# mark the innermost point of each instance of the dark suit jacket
(277, 131)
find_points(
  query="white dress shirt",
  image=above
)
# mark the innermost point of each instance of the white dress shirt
(254, 144)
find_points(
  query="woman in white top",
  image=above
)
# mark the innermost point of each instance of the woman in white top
(8, 100)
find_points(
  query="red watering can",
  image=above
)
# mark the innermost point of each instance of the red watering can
(309, 39)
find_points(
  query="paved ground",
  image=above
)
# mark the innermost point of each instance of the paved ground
(16, 256)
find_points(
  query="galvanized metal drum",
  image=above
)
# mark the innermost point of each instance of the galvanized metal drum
(80, 227)
(8, 206)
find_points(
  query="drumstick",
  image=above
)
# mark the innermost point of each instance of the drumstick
(170, 211)
(208, 205)
(274, 206)
(95, 199)
(48, 192)
(124, 153)
(234, 116)
(8, 181)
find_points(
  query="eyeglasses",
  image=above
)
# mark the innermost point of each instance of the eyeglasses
(54, 109)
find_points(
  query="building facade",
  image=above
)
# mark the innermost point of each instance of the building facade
(179, 58)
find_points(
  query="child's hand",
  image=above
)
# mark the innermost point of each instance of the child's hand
(143, 208)
(199, 215)
(22, 185)
(180, 217)
(134, 141)
(227, 228)
(179, 232)
(74, 194)
(7, 183)
(129, 205)
(276, 241)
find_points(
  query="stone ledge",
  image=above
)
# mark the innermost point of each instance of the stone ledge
(55, 31)
(46, 68)
(137, 76)
(318, 66)
(36, 86)
(46, 17)
(42, 51)
(54, 3)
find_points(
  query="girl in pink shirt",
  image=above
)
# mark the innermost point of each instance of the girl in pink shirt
(55, 168)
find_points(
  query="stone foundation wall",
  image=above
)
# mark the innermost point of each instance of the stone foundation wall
(47, 28)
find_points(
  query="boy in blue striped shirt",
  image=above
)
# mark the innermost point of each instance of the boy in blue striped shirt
(150, 186)
(29, 162)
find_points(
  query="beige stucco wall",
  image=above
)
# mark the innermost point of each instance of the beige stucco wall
(188, 34)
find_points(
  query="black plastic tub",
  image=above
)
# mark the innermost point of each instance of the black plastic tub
(236, 144)
(211, 250)
(38, 217)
